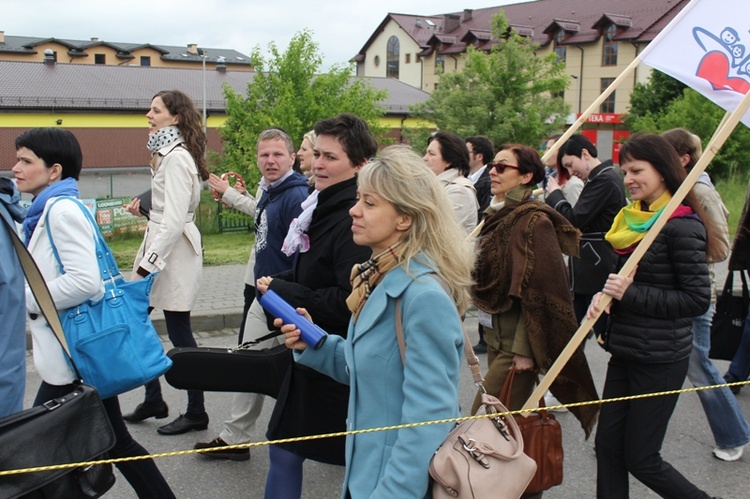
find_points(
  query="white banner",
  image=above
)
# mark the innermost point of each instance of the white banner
(707, 47)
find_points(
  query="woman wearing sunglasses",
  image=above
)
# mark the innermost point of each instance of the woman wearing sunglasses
(521, 287)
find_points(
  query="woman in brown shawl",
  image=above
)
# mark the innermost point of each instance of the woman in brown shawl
(521, 291)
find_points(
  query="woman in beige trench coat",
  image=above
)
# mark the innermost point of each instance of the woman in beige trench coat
(172, 243)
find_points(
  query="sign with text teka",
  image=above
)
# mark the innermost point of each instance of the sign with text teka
(707, 47)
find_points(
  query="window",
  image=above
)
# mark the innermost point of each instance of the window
(608, 106)
(100, 58)
(560, 50)
(54, 55)
(145, 60)
(392, 58)
(407, 58)
(609, 50)
(439, 64)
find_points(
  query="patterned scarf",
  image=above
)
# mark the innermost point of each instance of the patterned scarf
(163, 137)
(65, 187)
(632, 222)
(297, 238)
(367, 275)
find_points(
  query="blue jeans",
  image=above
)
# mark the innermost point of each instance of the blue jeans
(728, 425)
(739, 369)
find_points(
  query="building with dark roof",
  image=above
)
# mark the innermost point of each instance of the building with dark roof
(96, 51)
(596, 39)
(105, 106)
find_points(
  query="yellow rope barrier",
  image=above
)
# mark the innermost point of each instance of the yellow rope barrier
(366, 430)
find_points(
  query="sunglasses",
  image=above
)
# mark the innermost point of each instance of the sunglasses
(500, 167)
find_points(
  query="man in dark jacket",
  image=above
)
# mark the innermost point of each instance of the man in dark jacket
(481, 152)
(284, 190)
(602, 197)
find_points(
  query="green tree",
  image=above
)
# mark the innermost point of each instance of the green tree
(288, 92)
(506, 94)
(655, 109)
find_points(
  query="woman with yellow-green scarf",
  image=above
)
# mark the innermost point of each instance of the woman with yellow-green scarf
(650, 318)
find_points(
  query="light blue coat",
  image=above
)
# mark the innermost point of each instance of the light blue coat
(385, 392)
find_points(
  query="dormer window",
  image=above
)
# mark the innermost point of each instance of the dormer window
(560, 50)
(609, 47)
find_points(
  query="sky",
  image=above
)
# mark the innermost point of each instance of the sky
(340, 27)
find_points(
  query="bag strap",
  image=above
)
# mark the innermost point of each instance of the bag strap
(507, 390)
(106, 261)
(471, 357)
(40, 291)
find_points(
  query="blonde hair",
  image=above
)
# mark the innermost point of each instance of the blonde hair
(685, 142)
(400, 176)
(311, 137)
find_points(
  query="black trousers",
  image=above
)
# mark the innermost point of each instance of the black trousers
(143, 475)
(630, 434)
(181, 335)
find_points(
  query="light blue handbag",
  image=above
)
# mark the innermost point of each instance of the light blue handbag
(112, 340)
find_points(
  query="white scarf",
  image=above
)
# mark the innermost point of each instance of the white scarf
(163, 137)
(296, 238)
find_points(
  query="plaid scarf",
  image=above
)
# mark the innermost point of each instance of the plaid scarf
(367, 275)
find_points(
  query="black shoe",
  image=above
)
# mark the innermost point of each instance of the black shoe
(480, 347)
(184, 424)
(730, 379)
(231, 454)
(145, 410)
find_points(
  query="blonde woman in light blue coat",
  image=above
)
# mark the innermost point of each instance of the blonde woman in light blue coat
(421, 263)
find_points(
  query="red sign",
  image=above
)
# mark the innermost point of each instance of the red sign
(605, 118)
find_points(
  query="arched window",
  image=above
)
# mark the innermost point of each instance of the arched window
(391, 58)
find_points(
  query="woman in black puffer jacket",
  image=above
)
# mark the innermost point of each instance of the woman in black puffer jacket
(649, 329)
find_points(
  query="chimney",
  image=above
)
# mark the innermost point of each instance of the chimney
(452, 21)
(2, 36)
(94, 38)
(221, 65)
(49, 57)
(192, 48)
(467, 15)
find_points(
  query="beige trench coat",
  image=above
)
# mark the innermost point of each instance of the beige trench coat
(172, 243)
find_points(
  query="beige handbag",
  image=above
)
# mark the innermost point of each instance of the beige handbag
(480, 457)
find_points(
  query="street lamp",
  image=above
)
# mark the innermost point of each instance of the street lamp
(204, 55)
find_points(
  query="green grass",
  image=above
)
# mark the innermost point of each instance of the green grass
(219, 249)
(733, 190)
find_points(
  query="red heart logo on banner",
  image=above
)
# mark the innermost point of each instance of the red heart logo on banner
(714, 68)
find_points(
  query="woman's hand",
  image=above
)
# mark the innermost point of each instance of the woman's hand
(217, 184)
(263, 283)
(134, 207)
(616, 285)
(594, 308)
(552, 184)
(521, 363)
(291, 333)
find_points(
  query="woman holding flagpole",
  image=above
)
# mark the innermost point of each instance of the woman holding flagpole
(649, 328)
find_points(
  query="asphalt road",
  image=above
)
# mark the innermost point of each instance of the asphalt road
(688, 445)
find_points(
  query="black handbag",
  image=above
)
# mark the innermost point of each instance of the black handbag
(69, 429)
(729, 320)
(235, 369)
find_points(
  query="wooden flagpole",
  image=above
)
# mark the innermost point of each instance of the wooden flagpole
(574, 127)
(713, 147)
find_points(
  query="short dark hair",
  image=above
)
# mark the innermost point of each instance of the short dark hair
(54, 145)
(575, 145)
(453, 150)
(352, 133)
(482, 145)
(529, 161)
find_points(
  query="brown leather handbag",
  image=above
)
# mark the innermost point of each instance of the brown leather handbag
(542, 441)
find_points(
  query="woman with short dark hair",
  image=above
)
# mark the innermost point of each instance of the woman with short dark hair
(448, 158)
(521, 288)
